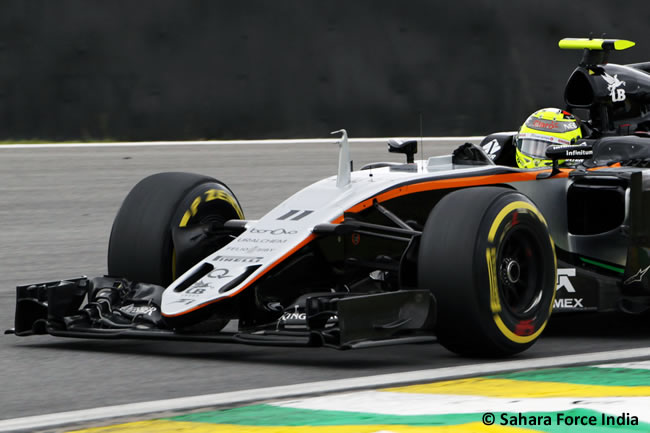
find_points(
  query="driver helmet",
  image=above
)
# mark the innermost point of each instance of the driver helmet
(543, 128)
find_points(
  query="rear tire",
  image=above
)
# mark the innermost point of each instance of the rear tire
(140, 246)
(489, 260)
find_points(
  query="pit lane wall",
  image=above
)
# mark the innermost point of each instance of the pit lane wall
(217, 69)
(599, 398)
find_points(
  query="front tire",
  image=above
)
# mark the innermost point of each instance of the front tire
(487, 256)
(141, 246)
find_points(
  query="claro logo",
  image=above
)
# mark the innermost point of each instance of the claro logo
(545, 125)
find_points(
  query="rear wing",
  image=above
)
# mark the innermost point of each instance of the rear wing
(596, 51)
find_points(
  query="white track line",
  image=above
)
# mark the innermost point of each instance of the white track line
(232, 142)
(288, 391)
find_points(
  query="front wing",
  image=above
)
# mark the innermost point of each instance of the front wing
(112, 308)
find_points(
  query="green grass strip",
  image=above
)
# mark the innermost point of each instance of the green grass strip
(583, 376)
(268, 415)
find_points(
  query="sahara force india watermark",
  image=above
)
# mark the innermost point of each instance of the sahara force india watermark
(559, 419)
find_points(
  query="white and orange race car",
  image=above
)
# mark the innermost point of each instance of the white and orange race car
(462, 248)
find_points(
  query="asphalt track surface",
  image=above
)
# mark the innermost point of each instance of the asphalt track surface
(57, 207)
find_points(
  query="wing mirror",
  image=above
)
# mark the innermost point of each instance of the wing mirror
(408, 147)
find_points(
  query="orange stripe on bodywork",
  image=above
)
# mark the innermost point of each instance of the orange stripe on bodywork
(393, 193)
(451, 183)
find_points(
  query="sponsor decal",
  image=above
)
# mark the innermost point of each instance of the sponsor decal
(219, 274)
(638, 277)
(492, 148)
(356, 239)
(572, 150)
(551, 125)
(194, 291)
(568, 303)
(249, 250)
(147, 310)
(544, 124)
(579, 152)
(274, 232)
(549, 138)
(238, 259)
(294, 315)
(262, 241)
(567, 298)
(297, 315)
(197, 289)
(563, 281)
(613, 84)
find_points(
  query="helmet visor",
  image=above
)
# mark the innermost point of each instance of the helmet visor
(533, 147)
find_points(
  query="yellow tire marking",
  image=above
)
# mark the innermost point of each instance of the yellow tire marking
(554, 275)
(491, 263)
(215, 194)
(185, 219)
(211, 194)
(491, 257)
(506, 210)
(160, 426)
(195, 205)
(508, 388)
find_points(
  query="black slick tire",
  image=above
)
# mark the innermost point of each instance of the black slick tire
(140, 246)
(487, 256)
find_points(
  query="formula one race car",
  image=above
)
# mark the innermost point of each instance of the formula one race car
(462, 247)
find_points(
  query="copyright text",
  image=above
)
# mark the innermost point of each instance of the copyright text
(559, 418)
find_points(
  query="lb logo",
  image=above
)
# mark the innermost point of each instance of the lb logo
(613, 84)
